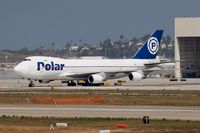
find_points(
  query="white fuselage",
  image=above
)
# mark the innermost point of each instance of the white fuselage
(50, 68)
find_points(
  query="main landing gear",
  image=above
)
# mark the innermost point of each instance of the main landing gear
(71, 83)
(31, 84)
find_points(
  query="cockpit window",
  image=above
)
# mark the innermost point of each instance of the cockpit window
(27, 59)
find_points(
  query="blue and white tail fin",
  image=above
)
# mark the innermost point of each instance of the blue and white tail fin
(150, 48)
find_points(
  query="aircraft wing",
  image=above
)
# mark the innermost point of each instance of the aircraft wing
(82, 75)
(76, 75)
(155, 64)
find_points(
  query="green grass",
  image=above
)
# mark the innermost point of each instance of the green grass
(134, 124)
(113, 97)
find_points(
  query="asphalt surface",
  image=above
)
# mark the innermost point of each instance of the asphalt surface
(156, 112)
(146, 84)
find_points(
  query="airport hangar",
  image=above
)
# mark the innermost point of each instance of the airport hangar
(187, 47)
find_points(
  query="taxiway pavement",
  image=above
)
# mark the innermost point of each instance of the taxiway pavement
(146, 84)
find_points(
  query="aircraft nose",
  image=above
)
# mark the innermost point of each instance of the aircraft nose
(18, 69)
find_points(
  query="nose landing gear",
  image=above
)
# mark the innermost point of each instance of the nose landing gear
(31, 84)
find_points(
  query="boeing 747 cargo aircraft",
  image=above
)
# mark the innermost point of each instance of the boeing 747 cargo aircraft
(46, 69)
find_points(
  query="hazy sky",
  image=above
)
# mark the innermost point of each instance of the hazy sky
(34, 23)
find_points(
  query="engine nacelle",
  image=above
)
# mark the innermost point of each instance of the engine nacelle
(96, 78)
(135, 76)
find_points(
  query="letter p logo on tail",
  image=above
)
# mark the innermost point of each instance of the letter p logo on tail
(150, 48)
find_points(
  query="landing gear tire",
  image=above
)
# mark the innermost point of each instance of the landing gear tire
(71, 83)
(86, 83)
(89, 84)
(31, 84)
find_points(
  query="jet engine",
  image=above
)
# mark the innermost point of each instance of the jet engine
(96, 78)
(135, 76)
